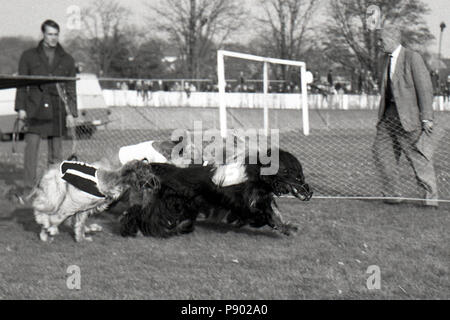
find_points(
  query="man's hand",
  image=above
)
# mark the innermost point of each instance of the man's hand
(22, 114)
(427, 126)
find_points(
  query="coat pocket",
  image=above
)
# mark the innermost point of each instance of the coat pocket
(41, 109)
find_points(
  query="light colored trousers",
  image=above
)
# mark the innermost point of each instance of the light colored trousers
(391, 140)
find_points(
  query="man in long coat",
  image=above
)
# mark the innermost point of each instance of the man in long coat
(42, 106)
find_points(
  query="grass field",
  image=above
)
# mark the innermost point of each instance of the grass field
(327, 259)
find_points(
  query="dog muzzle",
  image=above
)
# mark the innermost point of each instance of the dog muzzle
(302, 192)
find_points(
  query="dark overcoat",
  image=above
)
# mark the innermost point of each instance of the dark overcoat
(46, 114)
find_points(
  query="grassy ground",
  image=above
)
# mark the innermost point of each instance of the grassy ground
(327, 259)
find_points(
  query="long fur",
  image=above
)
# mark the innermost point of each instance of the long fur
(184, 193)
(55, 201)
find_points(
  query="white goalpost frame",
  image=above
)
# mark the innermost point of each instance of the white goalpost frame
(221, 54)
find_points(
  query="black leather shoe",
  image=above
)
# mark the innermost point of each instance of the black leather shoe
(433, 203)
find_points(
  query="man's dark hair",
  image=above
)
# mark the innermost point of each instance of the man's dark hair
(49, 23)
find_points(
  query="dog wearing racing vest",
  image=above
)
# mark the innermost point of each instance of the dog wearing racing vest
(76, 190)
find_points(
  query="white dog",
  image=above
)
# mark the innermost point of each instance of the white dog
(77, 190)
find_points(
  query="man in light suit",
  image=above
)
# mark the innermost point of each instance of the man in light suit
(405, 113)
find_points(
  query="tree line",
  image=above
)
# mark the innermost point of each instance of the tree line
(191, 31)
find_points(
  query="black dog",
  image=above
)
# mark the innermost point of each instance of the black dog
(184, 193)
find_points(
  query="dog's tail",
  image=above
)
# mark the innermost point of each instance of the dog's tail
(25, 199)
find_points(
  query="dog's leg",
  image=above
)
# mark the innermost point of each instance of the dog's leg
(278, 222)
(43, 235)
(44, 221)
(94, 227)
(79, 227)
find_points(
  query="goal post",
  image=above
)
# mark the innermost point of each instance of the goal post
(221, 54)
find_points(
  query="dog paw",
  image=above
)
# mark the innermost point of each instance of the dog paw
(43, 235)
(93, 228)
(53, 231)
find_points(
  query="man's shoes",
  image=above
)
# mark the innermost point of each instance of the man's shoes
(431, 200)
(432, 203)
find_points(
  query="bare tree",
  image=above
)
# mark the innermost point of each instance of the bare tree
(194, 25)
(285, 27)
(348, 42)
(104, 33)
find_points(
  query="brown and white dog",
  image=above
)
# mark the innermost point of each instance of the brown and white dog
(75, 190)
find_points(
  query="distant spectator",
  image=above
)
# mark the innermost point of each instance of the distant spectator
(159, 86)
(280, 88)
(187, 89)
(360, 83)
(447, 92)
(78, 68)
(435, 81)
(146, 90)
(372, 87)
(316, 76)
(330, 78)
(139, 88)
(241, 81)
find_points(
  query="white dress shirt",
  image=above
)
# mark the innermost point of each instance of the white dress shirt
(394, 58)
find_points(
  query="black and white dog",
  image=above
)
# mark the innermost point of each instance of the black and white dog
(239, 189)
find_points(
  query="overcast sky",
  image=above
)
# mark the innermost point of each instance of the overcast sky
(23, 17)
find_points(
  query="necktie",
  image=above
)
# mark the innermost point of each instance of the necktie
(389, 67)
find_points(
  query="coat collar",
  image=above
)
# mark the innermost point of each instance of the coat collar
(59, 54)
(399, 64)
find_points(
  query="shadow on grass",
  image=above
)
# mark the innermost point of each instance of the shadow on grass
(222, 227)
(9, 172)
(25, 218)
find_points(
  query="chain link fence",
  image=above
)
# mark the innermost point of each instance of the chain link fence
(337, 156)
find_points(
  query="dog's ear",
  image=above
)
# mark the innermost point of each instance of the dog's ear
(128, 173)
